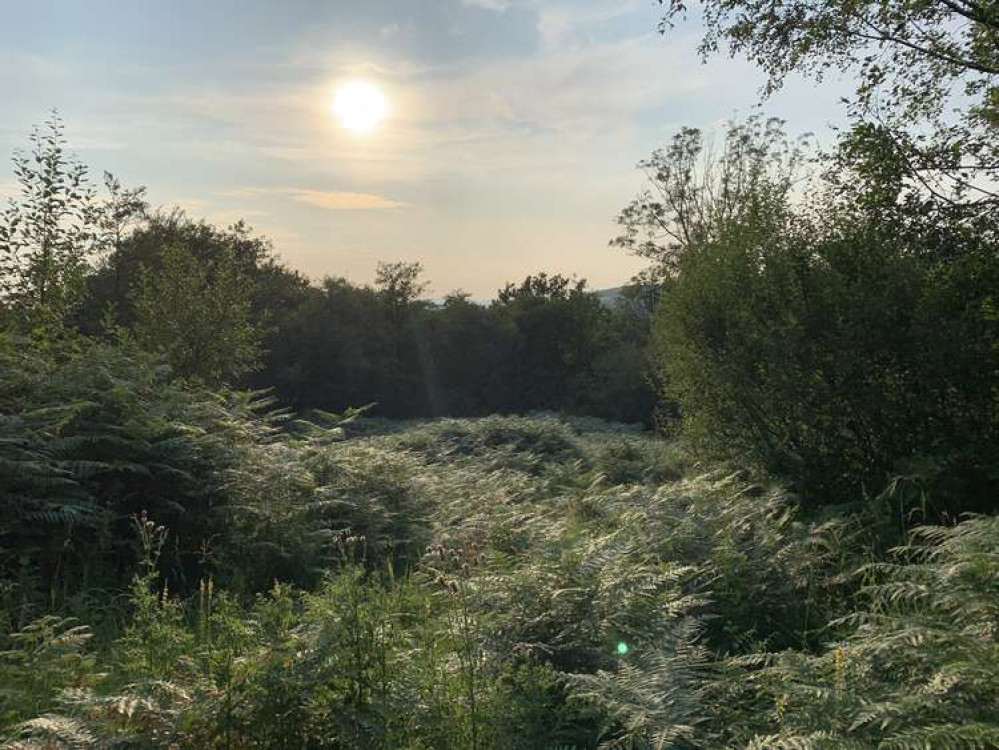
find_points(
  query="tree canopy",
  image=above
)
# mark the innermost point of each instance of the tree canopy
(927, 71)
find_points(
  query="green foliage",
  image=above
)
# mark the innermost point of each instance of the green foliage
(335, 350)
(92, 434)
(926, 72)
(921, 667)
(465, 350)
(575, 585)
(545, 344)
(696, 197)
(46, 237)
(197, 315)
(272, 288)
(42, 658)
(54, 231)
(840, 342)
(562, 349)
(400, 283)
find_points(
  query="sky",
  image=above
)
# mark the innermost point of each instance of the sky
(509, 146)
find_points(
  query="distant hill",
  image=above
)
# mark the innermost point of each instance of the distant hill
(609, 296)
(644, 303)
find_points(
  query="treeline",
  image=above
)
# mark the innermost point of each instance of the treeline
(221, 308)
(547, 343)
(828, 319)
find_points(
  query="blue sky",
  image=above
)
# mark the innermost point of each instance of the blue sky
(510, 144)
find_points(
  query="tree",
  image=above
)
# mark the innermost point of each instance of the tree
(399, 288)
(560, 326)
(692, 194)
(253, 257)
(465, 349)
(399, 283)
(841, 342)
(927, 70)
(47, 236)
(121, 211)
(620, 383)
(53, 235)
(541, 288)
(196, 313)
(275, 292)
(333, 350)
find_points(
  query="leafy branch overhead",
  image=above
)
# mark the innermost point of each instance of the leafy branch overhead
(928, 71)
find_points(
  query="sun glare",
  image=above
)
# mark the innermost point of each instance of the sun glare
(360, 106)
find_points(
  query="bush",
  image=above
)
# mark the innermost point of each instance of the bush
(840, 342)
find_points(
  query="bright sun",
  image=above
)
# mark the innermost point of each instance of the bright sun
(360, 106)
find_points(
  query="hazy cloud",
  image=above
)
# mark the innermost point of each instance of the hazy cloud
(495, 5)
(512, 131)
(338, 201)
(331, 200)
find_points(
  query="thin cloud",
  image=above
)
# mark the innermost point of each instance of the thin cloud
(330, 200)
(337, 201)
(498, 6)
(191, 205)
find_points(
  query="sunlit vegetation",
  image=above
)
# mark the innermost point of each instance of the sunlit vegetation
(469, 584)
(748, 505)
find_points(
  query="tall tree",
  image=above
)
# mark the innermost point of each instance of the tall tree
(560, 326)
(839, 339)
(465, 349)
(399, 282)
(692, 193)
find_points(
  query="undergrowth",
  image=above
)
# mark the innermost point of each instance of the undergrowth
(534, 583)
